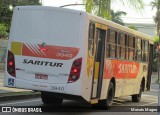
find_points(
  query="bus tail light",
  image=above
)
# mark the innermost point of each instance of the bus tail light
(75, 70)
(11, 64)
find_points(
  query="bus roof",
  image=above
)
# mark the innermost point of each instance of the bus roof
(49, 8)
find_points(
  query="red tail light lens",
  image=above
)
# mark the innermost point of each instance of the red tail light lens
(11, 64)
(75, 70)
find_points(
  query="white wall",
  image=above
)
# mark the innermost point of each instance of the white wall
(149, 29)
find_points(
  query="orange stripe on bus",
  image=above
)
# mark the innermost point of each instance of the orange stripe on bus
(48, 51)
(120, 69)
(53, 52)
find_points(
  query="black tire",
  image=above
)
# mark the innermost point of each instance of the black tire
(110, 95)
(137, 97)
(49, 99)
(106, 103)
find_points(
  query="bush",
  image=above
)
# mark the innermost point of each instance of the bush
(1, 66)
(133, 27)
(155, 53)
(3, 31)
(157, 81)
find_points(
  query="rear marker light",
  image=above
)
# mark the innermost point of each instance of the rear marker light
(11, 64)
(75, 70)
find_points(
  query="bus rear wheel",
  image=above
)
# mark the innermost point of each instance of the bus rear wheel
(137, 97)
(110, 95)
(106, 103)
(49, 99)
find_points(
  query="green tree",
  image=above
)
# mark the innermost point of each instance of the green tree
(155, 53)
(6, 9)
(5, 13)
(116, 16)
(155, 5)
(133, 27)
(3, 31)
(102, 8)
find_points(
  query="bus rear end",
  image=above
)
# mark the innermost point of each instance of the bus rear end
(44, 51)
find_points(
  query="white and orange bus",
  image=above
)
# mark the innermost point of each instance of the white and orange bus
(69, 54)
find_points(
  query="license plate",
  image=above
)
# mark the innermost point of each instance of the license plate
(41, 76)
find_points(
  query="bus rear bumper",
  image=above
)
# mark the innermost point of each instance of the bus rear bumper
(57, 89)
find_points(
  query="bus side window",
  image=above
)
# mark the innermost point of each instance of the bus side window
(147, 50)
(138, 49)
(111, 43)
(121, 46)
(91, 39)
(126, 47)
(131, 49)
(145, 46)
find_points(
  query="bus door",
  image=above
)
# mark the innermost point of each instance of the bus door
(150, 66)
(100, 33)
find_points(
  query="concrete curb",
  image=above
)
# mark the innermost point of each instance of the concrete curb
(18, 96)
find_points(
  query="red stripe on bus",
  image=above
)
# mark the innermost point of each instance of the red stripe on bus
(120, 69)
(53, 52)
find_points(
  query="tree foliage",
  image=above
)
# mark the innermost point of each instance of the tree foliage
(155, 53)
(116, 16)
(156, 40)
(102, 8)
(98, 7)
(137, 5)
(133, 27)
(89, 6)
(3, 31)
(155, 5)
(6, 10)
(5, 13)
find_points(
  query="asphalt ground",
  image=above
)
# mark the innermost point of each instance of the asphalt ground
(14, 93)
